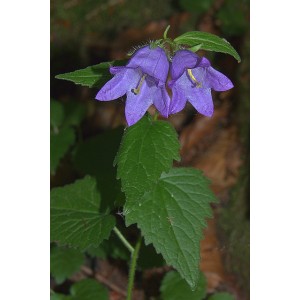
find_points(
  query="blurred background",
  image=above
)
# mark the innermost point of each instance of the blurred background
(87, 32)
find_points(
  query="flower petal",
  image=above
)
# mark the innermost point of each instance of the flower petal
(183, 59)
(153, 62)
(137, 105)
(123, 81)
(181, 89)
(159, 96)
(201, 99)
(178, 100)
(184, 90)
(218, 81)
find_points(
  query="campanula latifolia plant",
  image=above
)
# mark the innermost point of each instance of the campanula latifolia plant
(168, 204)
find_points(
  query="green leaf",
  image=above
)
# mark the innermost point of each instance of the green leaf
(64, 262)
(95, 157)
(149, 258)
(172, 216)
(113, 248)
(86, 289)
(173, 287)
(92, 76)
(221, 296)
(56, 114)
(75, 217)
(147, 149)
(75, 113)
(59, 297)
(60, 143)
(208, 42)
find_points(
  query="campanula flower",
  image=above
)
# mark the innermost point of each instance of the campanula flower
(143, 81)
(192, 79)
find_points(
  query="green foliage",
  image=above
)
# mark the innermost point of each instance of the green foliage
(60, 142)
(173, 287)
(87, 289)
(64, 262)
(56, 114)
(172, 215)
(112, 247)
(196, 6)
(207, 41)
(75, 113)
(234, 17)
(95, 157)
(147, 149)
(92, 76)
(149, 258)
(75, 216)
(222, 296)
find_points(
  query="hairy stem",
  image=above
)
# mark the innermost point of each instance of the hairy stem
(123, 240)
(132, 268)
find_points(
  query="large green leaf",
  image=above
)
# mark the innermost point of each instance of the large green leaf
(92, 76)
(222, 296)
(95, 157)
(60, 142)
(86, 289)
(75, 216)
(147, 149)
(172, 216)
(64, 262)
(173, 287)
(207, 41)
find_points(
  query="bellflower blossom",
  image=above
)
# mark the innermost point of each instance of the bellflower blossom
(143, 81)
(192, 79)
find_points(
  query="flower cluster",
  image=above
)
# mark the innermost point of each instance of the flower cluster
(144, 80)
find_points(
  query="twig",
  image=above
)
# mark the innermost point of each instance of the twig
(87, 271)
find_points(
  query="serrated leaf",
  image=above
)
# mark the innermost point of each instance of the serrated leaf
(60, 143)
(222, 296)
(56, 114)
(149, 258)
(75, 217)
(208, 42)
(110, 248)
(86, 289)
(172, 216)
(95, 157)
(173, 287)
(92, 76)
(64, 262)
(147, 149)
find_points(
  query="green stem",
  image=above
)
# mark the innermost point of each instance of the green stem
(134, 258)
(123, 240)
(155, 116)
(166, 31)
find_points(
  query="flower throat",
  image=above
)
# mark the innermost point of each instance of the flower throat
(198, 84)
(138, 89)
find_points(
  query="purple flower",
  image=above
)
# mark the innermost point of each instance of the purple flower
(143, 80)
(192, 80)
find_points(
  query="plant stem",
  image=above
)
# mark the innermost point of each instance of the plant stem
(132, 268)
(155, 116)
(123, 240)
